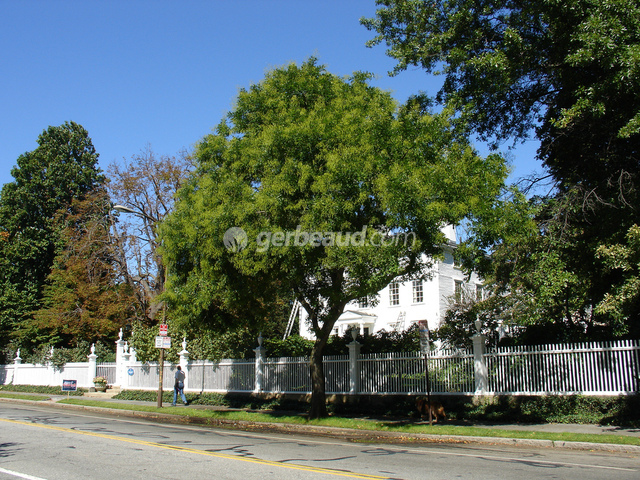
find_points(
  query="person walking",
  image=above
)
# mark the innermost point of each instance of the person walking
(178, 387)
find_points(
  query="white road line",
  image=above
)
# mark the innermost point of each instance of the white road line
(19, 475)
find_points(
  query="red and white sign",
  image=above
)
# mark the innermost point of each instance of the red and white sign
(163, 329)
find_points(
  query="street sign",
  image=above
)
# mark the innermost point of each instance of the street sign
(69, 385)
(130, 372)
(423, 325)
(164, 329)
(163, 342)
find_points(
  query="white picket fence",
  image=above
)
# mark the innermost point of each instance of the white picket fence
(607, 368)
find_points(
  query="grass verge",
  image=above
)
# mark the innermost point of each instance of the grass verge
(362, 425)
(18, 396)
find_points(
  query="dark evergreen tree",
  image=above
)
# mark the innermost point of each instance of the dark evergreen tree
(63, 167)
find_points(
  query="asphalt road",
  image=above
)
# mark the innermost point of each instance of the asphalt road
(45, 443)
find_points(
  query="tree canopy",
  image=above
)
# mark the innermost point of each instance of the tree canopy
(63, 167)
(567, 72)
(85, 298)
(322, 186)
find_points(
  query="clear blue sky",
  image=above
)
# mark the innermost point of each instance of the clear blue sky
(163, 73)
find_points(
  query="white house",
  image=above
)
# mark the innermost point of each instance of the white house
(400, 305)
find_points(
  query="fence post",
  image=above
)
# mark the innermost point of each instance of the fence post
(126, 361)
(184, 362)
(480, 367)
(354, 372)
(16, 363)
(120, 363)
(93, 366)
(259, 366)
(51, 369)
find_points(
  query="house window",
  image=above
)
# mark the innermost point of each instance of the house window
(418, 292)
(479, 293)
(457, 291)
(363, 302)
(394, 293)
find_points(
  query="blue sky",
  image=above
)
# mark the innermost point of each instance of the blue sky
(163, 73)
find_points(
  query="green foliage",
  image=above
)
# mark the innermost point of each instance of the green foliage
(569, 73)
(459, 326)
(506, 62)
(622, 302)
(41, 389)
(210, 399)
(84, 297)
(379, 342)
(63, 167)
(143, 340)
(42, 354)
(621, 410)
(305, 151)
(292, 346)
(241, 343)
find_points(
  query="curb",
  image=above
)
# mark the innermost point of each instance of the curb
(348, 434)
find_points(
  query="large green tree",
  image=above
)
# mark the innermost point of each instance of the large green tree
(567, 72)
(323, 186)
(63, 167)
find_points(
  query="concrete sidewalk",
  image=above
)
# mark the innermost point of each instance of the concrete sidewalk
(379, 436)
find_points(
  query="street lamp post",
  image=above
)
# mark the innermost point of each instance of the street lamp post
(123, 209)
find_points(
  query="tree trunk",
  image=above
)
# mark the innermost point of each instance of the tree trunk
(318, 397)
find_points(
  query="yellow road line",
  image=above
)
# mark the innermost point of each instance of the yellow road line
(199, 452)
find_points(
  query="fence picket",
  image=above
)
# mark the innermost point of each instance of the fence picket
(605, 368)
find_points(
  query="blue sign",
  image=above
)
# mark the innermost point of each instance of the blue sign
(130, 372)
(69, 385)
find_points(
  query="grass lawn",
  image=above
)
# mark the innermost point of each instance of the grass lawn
(361, 424)
(20, 396)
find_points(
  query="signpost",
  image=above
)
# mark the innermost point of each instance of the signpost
(423, 325)
(162, 342)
